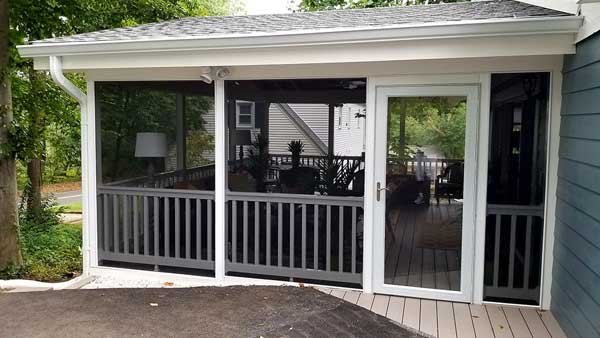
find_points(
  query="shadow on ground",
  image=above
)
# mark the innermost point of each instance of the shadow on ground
(193, 312)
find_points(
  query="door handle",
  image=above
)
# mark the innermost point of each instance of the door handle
(379, 190)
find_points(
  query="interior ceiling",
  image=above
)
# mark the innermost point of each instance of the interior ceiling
(326, 91)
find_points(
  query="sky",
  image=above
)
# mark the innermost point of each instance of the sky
(267, 6)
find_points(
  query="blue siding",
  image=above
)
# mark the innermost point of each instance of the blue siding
(576, 275)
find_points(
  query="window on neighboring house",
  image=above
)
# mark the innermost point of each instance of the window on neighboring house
(244, 112)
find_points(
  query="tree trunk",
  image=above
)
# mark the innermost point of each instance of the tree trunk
(34, 195)
(10, 253)
(34, 166)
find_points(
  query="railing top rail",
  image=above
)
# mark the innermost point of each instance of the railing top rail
(156, 192)
(295, 198)
(514, 209)
(318, 156)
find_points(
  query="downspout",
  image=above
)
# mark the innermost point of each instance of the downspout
(56, 72)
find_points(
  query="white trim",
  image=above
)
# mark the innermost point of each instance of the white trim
(482, 172)
(554, 102)
(370, 51)
(435, 30)
(220, 178)
(239, 125)
(90, 197)
(369, 196)
(446, 86)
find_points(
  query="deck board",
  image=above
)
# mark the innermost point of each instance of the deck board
(517, 322)
(464, 321)
(396, 309)
(412, 313)
(428, 320)
(535, 324)
(457, 320)
(481, 322)
(446, 324)
(499, 322)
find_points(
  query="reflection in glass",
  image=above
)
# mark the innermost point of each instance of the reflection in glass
(424, 175)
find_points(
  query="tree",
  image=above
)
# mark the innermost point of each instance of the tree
(10, 253)
(317, 5)
(41, 108)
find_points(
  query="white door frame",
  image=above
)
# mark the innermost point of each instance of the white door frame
(379, 90)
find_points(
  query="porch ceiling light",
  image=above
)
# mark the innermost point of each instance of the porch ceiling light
(151, 145)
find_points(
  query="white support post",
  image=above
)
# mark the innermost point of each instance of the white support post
(220, 179)
(369, 198)
(90, 166)
(482, 174)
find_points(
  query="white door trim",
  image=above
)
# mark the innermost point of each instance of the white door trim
(441, 87)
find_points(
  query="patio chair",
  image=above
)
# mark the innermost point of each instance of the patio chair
(301, 180)
(450, 183)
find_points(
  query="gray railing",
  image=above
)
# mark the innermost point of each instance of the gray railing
(515, 247)
(303, 237)
(167, 179)
(156, 226)
(432, 166)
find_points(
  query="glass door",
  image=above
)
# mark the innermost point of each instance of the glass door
(425, 190)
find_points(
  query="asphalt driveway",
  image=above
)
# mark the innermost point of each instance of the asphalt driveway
(192, 312)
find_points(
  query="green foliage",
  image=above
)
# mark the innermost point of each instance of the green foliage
(335, 177)
(438, 122)
(296, 147)
(317, 5)
(51, 250)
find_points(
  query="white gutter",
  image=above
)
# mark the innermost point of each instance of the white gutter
(56, 72)
(421, 31)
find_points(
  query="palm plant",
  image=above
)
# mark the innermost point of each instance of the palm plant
(258, 160)
(296, 147)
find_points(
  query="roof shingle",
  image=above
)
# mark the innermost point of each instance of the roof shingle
(323, 20)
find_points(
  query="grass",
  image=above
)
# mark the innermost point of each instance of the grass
(72, 208)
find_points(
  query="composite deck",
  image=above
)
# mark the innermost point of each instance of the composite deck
(457, 320)
(423, 246)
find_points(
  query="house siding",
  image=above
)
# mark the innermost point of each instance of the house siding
(282, 130)
(576, 272)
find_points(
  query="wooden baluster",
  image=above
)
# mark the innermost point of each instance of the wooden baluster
(353, 239)
(234, 231)
(511, 257)
(167, 228)
(256, 231)
(303, 236)
(279, 234)
(526, 265)
(156, 226)
(316, 238)
(268, 258)
(146, 226)
(497, 250)
(177, 227)
(106, 225)
(245, 232)
(198, 229)
(136, 226)
(126, 224)
(188, 229)
(328, 240)
(209, 232)
(341, 239)
(292, 233)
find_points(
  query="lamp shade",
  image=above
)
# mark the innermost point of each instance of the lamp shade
(243, 137)
(151, 145)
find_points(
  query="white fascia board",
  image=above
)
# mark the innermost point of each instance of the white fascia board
(437, 30)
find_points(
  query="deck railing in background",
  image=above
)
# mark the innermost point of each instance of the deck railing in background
(167, 179)
(303, 237)
(513, 256)
(156, 226)
(313, 160)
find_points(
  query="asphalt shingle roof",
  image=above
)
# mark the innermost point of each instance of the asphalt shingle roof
(324, 20)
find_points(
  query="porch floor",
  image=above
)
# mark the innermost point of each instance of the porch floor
(423, 245)
(457, 320)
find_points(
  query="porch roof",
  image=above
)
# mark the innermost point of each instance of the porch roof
(400, 22)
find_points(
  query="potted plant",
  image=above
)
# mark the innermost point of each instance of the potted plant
(296, 147)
